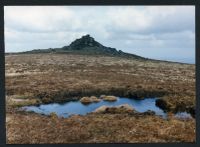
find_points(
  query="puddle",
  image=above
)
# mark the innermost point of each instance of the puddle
(76, 107)
(183, 115)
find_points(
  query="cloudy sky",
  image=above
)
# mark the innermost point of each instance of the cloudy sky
(159, 32)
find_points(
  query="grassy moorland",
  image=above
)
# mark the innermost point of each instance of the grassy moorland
(44, 78)
(57, 77)
(97, 128)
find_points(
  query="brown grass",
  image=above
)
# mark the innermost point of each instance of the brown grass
(97, 128)
(61, 77)
(45, 78)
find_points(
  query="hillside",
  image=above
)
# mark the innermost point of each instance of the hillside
(86, 45)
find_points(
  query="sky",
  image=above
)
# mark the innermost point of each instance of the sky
(158, 32)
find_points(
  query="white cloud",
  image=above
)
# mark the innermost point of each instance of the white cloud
(39, 19)
(153, 19)
(136, 29)
(129, 19)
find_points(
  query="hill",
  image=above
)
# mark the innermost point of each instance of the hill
(88, 46)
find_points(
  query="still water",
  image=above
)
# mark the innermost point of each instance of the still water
(76, 107)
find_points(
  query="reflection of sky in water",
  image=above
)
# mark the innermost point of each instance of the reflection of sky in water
(183, 115)
(75, 107)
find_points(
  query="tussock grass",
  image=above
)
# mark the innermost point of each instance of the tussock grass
(46, 78)
(97, 128)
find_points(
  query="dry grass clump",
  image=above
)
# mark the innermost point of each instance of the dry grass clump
(19, 101)
(125, 108)
(44, 78)
(95, 99)
(85, 100)
(61, 77)
(88, 100)
(109, 98)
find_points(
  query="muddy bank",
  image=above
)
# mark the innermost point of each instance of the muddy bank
(164, 102)
(165, 105)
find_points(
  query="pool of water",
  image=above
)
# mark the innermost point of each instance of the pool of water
(183, 115)
(76, 107)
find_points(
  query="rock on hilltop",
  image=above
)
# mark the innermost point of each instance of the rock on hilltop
(87, 45)
(84, 41)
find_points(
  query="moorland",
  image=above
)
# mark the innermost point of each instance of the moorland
(87, 68)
